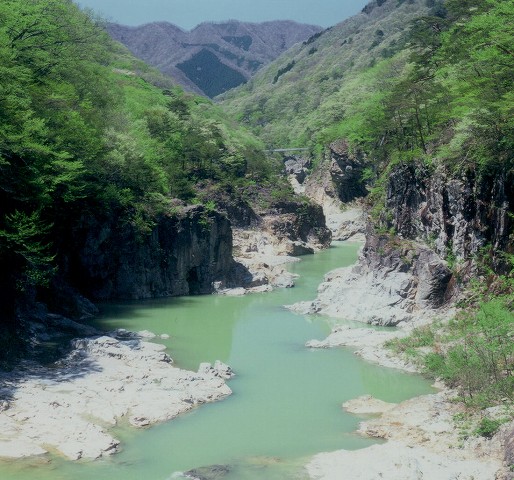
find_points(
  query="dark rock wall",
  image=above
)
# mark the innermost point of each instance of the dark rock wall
(346, 170)
(302, 223)
(340, 174)
(182, 255)
(455, 215)
(441, 221)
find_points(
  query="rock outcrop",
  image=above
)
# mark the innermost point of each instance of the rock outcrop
(423, 443)
(183, 254)
(339, 177)
(283, 232)
(393, 281)
(456, 215)
(440, 222)
(294, 226)
(70, 406)
(299, 227)
(298, 167)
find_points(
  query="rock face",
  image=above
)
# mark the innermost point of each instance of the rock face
(509, 451)
(435, 217)
(456, 215)
(346, 170)
(429, 284)
(393, 281)
(337, 185)
(281, 233)
(300, 226)
(297, 167)
(339, 176)
(183, 254)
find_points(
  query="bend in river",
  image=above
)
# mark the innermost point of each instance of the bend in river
(286, 404)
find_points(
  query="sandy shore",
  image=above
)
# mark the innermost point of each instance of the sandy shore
(70, 408)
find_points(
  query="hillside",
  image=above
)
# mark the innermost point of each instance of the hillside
(213, 57)
(98, 154)
(304, 90)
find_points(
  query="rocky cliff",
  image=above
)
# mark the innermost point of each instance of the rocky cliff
(293, 225)
(183, 254)
(393, 282)
(456, 214)
(433, 227)
(339, 176)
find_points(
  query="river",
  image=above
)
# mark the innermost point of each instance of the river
(286, 404)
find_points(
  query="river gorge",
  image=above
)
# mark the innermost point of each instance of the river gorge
(286, 401)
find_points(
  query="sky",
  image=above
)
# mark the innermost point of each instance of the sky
(189, 13)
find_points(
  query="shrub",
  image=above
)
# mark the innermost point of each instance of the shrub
(479, 358)
(488, 427)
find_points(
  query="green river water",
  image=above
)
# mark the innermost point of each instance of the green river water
(286, 404)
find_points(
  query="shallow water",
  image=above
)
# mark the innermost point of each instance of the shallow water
(286, 404)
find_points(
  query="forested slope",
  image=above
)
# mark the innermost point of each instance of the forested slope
(88, 134)
(307, 88)
(419, 96)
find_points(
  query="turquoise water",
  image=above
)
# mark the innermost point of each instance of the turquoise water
(286, 404)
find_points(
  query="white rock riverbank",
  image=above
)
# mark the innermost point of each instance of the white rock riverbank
(422, 444)
(369, 344)
(370, 297)
(423, 440)
(69, 408)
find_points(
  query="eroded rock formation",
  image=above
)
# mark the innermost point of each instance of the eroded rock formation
(456, 215)
(183, 254)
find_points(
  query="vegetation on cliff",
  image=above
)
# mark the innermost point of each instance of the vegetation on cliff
(422, 90)
(401, 80)
(85, 129)
(424, 82)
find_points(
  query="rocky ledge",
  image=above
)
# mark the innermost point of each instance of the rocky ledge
(69, 407)
(394, 282)
(422, 444)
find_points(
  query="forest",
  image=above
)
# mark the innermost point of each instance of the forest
(87, 128)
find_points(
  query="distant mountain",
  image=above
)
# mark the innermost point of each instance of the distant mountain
(309, 87)
(213, 57)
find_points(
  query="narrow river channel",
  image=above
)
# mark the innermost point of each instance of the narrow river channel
(286, 404)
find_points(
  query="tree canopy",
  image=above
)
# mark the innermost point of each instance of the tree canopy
(86, 128)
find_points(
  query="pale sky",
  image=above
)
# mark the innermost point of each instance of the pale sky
(189, 13)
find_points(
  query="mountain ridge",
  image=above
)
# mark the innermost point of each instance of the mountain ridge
(213, 57)
(307, 79)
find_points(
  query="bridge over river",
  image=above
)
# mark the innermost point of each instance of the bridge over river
(287, 150)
